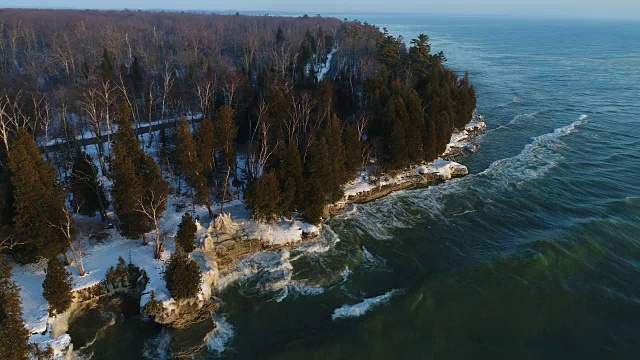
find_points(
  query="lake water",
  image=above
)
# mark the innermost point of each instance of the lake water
(536, 254)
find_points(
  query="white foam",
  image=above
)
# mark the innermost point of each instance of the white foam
(361, 308)
(218, 339)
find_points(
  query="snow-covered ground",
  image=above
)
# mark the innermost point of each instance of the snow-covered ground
(322, 71)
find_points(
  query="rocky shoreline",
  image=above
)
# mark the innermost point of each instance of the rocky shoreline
(226, 247)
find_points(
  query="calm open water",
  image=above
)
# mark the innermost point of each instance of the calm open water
(536, 254)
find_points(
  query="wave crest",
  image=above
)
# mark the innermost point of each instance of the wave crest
(361, 308)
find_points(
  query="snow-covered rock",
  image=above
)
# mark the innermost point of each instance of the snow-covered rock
(443, 169)
(282, 232)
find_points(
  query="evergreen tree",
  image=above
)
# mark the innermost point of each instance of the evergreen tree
(291, 180)
(182, 276)
(106, 67)
(352, 149)
(127, 185)
(263, 196)
(39, 201)
(88, 194)
(429, 139)
(186, 151)
(137, 181)
(186, 236)
(314, 201)
(192, 162)
(205, 143)
(419, 56)
(399, 146)
(57, 287)
(415, 128)
(333, 136)
(137, 77)
(14, 337)
(226, 132)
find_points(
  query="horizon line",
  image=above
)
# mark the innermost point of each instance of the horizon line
(330, 13)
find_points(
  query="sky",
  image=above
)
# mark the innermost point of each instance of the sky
(528, 8)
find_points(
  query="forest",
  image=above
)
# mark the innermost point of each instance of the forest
(287, 109)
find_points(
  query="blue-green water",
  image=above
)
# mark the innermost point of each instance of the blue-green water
(536, 254)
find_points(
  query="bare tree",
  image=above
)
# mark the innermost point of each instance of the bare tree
(168, 81)
(265, 151)
(151, 206)
(12, 118)
(68, 231)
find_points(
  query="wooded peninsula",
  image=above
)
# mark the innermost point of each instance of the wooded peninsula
(116, 118)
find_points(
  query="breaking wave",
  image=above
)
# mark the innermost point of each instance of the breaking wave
(218, 339)
(535, 159)
(361, 308)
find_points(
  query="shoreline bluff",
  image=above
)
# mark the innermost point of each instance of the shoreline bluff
(227, 247)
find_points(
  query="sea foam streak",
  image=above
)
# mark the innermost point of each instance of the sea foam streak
(361, 308)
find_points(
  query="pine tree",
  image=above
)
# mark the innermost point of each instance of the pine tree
(88, 193)
(225, 132)
(317, 166)
(14, 337)
(137, 77)
(291, 180)
(399, 146)
(352, 149)
(126, 184)
(186, 236)
(57, 287)
(193, 166)
(314, 200)
(333, 136)
(186, 150)
(205, 141)
(39, 201)
(263, 196)
(429, 140)
(415, 129)
(106, 67)
(182, 276)
(138, 187)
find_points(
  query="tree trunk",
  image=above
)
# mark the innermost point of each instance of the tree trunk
(159, 244)
(77, 259)
(67, 259)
